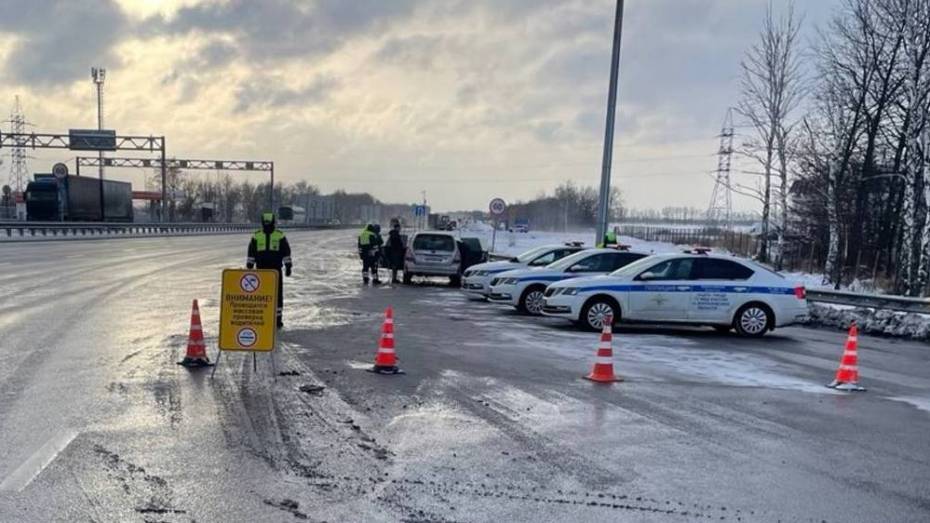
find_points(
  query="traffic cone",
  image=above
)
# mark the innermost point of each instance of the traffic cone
(603, 371)
(196, 349)
(386, 358)
(847, 376)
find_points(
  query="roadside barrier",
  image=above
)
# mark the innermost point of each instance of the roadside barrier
(847, 375)
(386, 358)
(196, 348)
(603, 371)
(38, 231)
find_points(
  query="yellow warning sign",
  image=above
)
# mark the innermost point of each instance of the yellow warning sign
(247, 312)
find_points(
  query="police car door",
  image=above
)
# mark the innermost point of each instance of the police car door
(662, 292)
(717, 289)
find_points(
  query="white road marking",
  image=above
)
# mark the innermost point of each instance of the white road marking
(32, 467)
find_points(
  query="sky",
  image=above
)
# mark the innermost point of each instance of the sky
(466, 100)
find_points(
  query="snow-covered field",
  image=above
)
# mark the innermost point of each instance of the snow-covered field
(514, 243)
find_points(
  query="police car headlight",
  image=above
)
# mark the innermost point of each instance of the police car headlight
(569, 291)
(480, 273)
(508, 281)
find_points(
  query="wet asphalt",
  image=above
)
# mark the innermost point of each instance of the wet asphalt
(491, 422)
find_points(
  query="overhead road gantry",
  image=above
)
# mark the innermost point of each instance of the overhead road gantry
(164, 164)
(90, 140)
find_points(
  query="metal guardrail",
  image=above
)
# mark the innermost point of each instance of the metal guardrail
(877, 301)
(27, 231)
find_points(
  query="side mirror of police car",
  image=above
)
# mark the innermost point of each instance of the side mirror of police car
(646, 276)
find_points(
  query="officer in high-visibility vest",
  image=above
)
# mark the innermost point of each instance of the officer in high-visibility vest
(369, 245)
(611, 238)
(269, 249)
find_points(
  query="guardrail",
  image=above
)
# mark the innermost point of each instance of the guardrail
(27, 231)
(878, 301)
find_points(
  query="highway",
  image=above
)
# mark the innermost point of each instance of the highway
(492, 421)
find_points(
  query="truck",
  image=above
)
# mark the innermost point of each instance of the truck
(78, 199)
(441, 222)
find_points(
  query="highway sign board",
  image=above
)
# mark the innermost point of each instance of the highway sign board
(91, 140)
(247, 311)
(497, 206)
(419, 210)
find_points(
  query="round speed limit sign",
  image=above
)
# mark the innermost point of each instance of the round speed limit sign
(497, 206)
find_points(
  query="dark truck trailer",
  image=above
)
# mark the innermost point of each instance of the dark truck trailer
(77, 199)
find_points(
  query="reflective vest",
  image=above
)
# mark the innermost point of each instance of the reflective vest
(275, 241)
(611, 237)
(364, 238)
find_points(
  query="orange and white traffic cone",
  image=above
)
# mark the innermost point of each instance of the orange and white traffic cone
(847, 376)
(196, 349)
(603, 371)
(386, 358)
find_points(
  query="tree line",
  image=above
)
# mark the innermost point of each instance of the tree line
(839, 134)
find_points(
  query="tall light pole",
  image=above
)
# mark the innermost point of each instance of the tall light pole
(603, 210)
(98, 75)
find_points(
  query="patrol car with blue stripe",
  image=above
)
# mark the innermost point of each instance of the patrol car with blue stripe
(477, 279)
(525, 288)
(694, 288)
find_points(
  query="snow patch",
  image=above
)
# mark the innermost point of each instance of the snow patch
(881, 322)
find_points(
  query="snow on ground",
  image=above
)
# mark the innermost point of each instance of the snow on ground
(872, 321)
(514, 243)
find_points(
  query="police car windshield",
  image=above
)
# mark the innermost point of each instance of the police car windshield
(568, 261)
(635, 267)
(529, 255)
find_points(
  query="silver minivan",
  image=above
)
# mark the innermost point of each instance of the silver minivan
(433, 253)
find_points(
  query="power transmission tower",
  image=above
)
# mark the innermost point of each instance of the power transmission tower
(18, 168)
(721, 202)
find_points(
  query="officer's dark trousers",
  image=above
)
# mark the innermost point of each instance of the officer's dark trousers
(369, 264)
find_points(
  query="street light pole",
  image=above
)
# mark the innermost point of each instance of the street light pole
(603, 210)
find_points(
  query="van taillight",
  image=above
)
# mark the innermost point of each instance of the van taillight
(409, 256)
(800, 293)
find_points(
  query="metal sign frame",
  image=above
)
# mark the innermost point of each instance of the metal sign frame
(189, 164)
(63, 141)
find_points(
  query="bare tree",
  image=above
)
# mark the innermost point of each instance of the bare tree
(771, 89)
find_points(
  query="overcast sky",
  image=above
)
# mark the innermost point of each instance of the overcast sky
(463, 99)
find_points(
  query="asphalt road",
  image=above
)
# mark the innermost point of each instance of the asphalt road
(491, 422)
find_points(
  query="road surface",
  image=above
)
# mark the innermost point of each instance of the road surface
(491, 422)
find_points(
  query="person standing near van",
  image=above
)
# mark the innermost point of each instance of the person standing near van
(394, 251)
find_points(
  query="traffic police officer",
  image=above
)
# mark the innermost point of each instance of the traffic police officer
(269, 249)
(369, 246)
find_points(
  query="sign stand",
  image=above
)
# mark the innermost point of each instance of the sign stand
(497, 206)
(248, 317)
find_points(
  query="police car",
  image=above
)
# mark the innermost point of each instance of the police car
(525, 288)
(477, 278)
(688, 288)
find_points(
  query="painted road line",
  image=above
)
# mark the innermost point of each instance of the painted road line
(32, 467)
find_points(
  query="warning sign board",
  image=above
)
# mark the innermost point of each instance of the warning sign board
(247, 314)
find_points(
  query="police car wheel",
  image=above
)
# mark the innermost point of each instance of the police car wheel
(753, 320)
(594, 312)
(532, 301)
(408, 278)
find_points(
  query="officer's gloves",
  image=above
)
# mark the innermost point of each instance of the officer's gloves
(287, 270)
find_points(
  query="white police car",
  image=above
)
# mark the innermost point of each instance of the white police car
(524, 288)
(689, 288)
(477, 278)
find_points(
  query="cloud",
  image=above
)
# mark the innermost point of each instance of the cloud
(59, 40)
(282, 29)
(264, 94)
